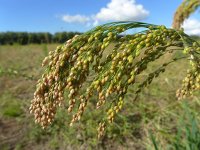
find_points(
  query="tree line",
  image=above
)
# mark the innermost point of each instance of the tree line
(24, 38)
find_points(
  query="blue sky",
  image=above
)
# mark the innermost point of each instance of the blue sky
(81, 15)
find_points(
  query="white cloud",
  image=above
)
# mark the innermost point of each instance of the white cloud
(192, 26)
(122, 10)
(95, 23)
(75, 18)
(116, 10)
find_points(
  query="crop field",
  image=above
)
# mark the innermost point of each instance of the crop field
(154, 119)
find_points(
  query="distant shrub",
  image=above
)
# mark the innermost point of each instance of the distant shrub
(24, 38)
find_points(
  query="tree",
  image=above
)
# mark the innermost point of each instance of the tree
(22, 38)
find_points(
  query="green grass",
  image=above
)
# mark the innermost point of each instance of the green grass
(187, 131)
(156, 115)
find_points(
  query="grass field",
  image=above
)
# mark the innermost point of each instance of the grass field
(155, 119)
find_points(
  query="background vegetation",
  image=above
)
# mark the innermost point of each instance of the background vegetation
(23, 38)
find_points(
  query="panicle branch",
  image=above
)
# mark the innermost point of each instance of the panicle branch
(85, 66)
